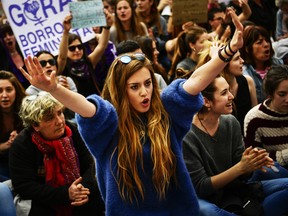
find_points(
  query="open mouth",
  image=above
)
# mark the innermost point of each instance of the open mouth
(145, 101)
(10, 43)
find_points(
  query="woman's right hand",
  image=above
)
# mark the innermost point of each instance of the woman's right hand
(67, 23)
(237, 40)
(254, 159)
(37, 77)
(78, 193)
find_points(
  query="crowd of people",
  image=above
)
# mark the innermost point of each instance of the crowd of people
(149, 118)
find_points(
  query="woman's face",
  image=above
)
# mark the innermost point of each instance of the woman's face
(199, 45)
(123, 11)
(144, 6)
(222, 103)
(108, 7)
(7, 95)
(52, 127)
(279, 100)
(139, 90)
(75, 50)
(236, 64)
(155, 52)
(261, 50)
(48, 63)
(10, 41)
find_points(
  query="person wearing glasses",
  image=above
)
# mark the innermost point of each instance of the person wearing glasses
(11, 95)
(135, 133)
(49, 163)
(73, 60)
(48, 62)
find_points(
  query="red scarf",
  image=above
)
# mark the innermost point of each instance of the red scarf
(61, 161)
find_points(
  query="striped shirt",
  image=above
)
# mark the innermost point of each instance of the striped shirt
(267, 129)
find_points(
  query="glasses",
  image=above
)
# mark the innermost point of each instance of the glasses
(51, 62)
(73, 47)
(126, 59)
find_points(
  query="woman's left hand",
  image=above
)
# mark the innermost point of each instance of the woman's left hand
(37, 77)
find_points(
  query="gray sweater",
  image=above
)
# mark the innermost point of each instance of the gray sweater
(206, 156)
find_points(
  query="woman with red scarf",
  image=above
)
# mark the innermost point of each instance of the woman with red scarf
(50, 164)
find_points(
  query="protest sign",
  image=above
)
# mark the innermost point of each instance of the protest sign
(189, 10)
(87, 14)
(37, 24)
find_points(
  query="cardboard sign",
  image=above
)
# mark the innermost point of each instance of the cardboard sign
(87, 14)
(37, 24)
(189, 10)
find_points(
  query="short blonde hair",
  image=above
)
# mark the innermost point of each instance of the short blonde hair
(35, 108)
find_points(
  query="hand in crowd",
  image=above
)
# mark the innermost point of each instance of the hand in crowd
(109, 17)
(78, 194)
(62, 80)
(6, 145)
(237, 39)
(254, 159)
(67, 23)
(37, 77)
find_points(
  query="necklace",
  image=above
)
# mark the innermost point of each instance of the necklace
(214, 139)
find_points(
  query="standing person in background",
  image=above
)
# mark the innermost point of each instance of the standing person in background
(149, 48)
(157, 26)
(266, 125)
(264, 14)
(11, 95)
(13, 58)
(258, 56)
(282, 20)
(137, 133)
(126, 22)
(73, 60)
(50, 164)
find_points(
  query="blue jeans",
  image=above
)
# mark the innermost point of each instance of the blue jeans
(275, 202)
(7, 207)
(259, 175)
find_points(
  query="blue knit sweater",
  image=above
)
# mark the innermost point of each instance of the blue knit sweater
(100, 135)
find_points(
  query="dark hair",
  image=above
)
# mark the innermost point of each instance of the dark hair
(250, 35)
(146, 45)
(47, 52)
(72, 37)
(212, 12)
(273, 78)
(20, 94)
(127, 46)
(208, 93)
(6, 29)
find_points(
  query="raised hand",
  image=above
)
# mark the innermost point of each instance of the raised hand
(37, 77)
(237, 39)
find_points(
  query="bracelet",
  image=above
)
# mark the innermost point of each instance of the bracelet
(107, 27)
(222, 57)
(229, 47)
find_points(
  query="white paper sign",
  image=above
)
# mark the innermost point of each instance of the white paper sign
(87, 14)
(37, 24)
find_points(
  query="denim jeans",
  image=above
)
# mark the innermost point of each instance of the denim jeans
(7, 207)
(275, 202)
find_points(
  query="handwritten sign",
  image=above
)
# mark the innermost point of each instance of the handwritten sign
(37, 24)
(189, 10)
(87, 14)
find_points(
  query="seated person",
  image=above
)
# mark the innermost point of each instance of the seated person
(50, 164)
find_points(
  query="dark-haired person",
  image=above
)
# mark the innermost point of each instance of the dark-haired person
(266, 125)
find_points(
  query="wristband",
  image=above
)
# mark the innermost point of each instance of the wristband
(107, 27)
(222, 57)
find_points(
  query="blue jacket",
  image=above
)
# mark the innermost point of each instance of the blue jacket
(100, 135)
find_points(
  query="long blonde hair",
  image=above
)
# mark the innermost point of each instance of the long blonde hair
(130, 126)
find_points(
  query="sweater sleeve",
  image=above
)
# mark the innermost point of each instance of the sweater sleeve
(180, 106)
(97, 131)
